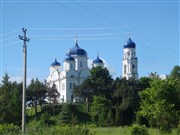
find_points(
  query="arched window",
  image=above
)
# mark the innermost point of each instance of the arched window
(72, 97)
(81, 64)
(63, 86)
(128, 55)
(74, 85)
(125, 69)
(71, 66)
(70, 85)
(62, 99)
(72, 76)
(133, 68)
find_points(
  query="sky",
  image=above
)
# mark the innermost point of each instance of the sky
(100, 25)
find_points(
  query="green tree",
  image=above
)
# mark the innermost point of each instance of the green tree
(10, 99)
(101, 81)
(175, 75)
(65, 114)
(85, 90)
(98, 83)
(53, 96)
(125, 100)
(99, 110)
(158, 104)
(36, 94)
(143, 83)
(110, 118)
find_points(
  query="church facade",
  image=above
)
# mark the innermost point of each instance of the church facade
(73, 72)
(75, 69)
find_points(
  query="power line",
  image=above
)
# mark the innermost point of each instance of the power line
(92, 1)
(79, 35)
(9, 44)
(78, 38)
(110, 21)
(91, 20)
(165, 52)
(8, 38)
(96, 13)
(71, 29)
(14, 31)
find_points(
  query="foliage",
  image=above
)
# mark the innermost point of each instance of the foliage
(39, 129)
(157, 104)
(175, 73)
(35, 129)
(98, 83)
(101, 80)
(85, 90)
(36, 94)
(10, 101)
(65, 114)
(75, 130)
(110, 118)
(45, 118)
(52, 96)
(125, 100)
(138, 130)
(8, 129)
(149, 100)
(99, 110)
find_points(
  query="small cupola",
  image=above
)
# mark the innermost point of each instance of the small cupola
(55, 63)
(98, 62)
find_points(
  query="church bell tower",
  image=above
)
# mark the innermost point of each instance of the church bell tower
(130, 61)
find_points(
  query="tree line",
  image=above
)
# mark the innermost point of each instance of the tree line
(149, 101)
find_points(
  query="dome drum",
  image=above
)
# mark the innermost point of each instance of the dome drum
(69, 58)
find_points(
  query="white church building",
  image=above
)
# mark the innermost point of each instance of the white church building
(73, 72)
(75, 69)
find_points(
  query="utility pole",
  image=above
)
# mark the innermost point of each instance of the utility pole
(25, 39)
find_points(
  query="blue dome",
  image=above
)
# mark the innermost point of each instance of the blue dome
(55, 63)
(69, 58)
(129, 44)
(76, 50)
(97, 60)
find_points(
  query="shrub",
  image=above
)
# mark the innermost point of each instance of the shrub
(138, 130)
(73, 130)
(8, 128)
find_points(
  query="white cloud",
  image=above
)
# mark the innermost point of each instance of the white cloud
(109, 67)
(163, 76)
(90, 61)
(20, 79)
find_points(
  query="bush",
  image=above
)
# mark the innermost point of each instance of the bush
(8, 128)
(40, 129)
(75, 130)
(138, 130)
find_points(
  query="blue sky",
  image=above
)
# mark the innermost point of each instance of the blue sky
(101, 25)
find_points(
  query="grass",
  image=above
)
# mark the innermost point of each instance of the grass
(78, 130)
(112, 131)
(125, 131)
